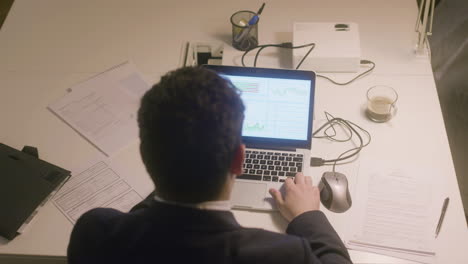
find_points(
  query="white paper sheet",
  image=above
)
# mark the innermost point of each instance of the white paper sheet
(104, 108)
(97, 184)
(393, 214)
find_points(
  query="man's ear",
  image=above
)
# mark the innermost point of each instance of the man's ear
(238, 160)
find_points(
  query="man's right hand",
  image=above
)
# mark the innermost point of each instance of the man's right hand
(299, 196)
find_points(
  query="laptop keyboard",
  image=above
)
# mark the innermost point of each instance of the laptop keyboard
(271, 165)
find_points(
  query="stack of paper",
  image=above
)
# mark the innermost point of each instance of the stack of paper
(104, 110)
(393, 214)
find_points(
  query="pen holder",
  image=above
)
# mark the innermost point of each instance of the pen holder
(244, 36)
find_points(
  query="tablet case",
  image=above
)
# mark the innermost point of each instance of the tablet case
(26, 183)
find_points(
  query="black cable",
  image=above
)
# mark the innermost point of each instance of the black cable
(358, 149)
(332, 127)
(259, 46)
(288, 45)
(349, 150)
(285, 45)
(350, 128)
(256, 56)
(305, 56)
(355, 78)
(258, 53)
(342, 121)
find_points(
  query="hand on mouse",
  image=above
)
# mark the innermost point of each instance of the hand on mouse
(299, 196)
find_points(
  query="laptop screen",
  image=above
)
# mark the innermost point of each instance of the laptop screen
(275, 107)
(279, 105)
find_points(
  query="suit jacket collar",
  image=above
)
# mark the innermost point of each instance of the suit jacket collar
(209, 205)
(189, 218)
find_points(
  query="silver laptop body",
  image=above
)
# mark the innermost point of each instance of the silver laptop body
(277, 130)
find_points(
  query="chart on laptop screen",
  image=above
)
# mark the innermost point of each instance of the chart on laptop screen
(275, 108)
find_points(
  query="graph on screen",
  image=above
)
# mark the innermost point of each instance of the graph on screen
(255, 126)
(288, 91)
(247, 87)
(275, 108)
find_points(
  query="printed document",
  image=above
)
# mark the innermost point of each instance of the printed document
(97, 184)
(393, 214)
(104, 108)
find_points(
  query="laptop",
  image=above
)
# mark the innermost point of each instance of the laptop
(277, 130)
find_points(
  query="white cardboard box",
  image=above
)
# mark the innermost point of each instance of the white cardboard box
(337, 46)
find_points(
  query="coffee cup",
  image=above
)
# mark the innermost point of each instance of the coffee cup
(381, 103)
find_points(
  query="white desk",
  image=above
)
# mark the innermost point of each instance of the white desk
(47, 46)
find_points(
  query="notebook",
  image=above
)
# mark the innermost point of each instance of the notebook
(277, 129)
(26, 183)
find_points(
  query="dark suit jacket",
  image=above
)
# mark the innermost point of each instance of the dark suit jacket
(157, 232)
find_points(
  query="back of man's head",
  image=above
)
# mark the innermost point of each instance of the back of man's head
(190, 128)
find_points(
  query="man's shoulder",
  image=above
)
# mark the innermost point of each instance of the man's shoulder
(100, 213)
(95, 222)
(91, 230)
(98, 217)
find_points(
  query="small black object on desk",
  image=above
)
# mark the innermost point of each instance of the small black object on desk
(26, 183)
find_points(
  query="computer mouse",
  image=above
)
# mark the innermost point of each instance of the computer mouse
(334, 192)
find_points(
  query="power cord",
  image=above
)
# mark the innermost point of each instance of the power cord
(285, 45)
(288, 45)
(355, 78)
(350, 127)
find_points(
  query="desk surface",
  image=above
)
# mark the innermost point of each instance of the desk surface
(50, 45)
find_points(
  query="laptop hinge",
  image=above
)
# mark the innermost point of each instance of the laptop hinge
(270, 147)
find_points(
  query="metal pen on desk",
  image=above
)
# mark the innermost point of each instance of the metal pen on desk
(442, 215)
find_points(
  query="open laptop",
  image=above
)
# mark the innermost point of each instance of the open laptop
(277, 129)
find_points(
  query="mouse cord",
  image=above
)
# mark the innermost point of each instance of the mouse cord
(331, 126)
(357, 148)
(314, 161)
(349, 150)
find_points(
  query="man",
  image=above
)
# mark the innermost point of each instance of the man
(190, 130)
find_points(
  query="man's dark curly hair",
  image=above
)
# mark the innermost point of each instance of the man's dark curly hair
(190, 128)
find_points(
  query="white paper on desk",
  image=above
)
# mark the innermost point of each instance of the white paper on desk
(393, 213)
(96, 184)
(104, 108)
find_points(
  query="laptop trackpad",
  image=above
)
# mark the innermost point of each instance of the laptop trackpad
(249, 194)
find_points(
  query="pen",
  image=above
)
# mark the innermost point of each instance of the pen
(251, 22)
(442, 215)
